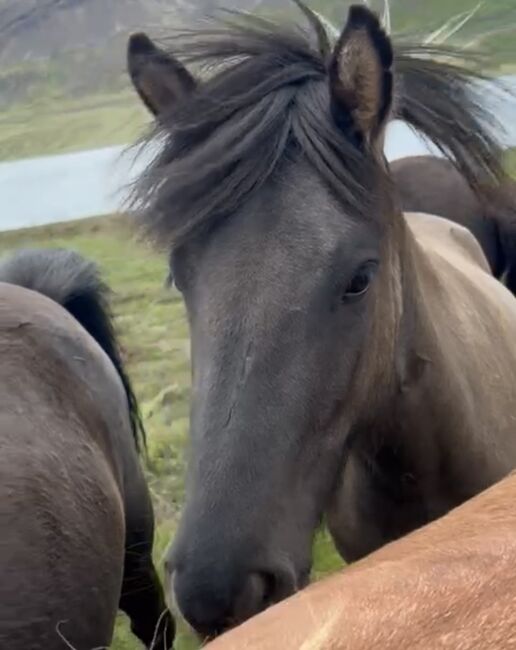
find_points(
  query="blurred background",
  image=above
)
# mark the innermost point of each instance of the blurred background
(67, 116)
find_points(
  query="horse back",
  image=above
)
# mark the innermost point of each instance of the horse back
(447, 238)
(61, 512)
(49, 358)
(433, 185)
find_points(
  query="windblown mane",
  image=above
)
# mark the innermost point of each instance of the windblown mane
(267, 100)
(441, 97)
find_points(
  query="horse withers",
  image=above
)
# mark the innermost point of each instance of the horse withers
(76, 519)
(347, 361)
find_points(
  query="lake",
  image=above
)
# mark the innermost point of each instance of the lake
(50, 189)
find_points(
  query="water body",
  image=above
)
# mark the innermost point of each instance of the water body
(51, 189)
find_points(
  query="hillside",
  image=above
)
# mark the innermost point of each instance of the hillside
(77, 46)
(41, 29)
(63, 85)
(50, 47)
(63, 48)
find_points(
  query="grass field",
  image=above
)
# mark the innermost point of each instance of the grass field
(154, 334)
(61, 126)
(511, 161)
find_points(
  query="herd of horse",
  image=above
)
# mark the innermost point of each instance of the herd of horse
(353, 350)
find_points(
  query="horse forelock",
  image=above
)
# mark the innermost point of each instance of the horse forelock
(269, 98)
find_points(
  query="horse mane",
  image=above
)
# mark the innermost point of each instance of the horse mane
(267, 99)
(75, 283)
(440, 96)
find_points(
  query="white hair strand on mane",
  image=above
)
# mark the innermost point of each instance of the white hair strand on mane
(452, 26)
(386, 19)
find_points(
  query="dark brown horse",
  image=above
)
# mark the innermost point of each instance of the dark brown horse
(76, 519)
(434, 185)
(346, 361)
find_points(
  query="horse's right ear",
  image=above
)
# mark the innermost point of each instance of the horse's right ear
(158, 78)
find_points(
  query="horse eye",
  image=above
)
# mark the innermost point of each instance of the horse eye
(360, 282)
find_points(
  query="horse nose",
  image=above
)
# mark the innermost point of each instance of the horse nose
(212, 606)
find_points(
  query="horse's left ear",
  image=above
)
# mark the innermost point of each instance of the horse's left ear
(159, 79)
(361, 74)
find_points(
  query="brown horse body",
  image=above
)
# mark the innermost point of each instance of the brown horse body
(405, 468)
(435, 186)
(75, 515)
(450, 585)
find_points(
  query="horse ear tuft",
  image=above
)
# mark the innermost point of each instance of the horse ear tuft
(360, 70)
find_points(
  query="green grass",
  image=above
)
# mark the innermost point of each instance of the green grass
(154, 335)
(54, 126)
(511, 161)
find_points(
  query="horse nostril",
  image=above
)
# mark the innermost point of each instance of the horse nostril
(261, 590)
(270, 592)
(304, 577)
(203, 600)
(211, 601)
(282, 584)
(252, 597)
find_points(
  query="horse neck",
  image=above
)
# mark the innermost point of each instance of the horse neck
(424, 409)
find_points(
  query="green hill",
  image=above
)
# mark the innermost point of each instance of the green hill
(63, 85)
